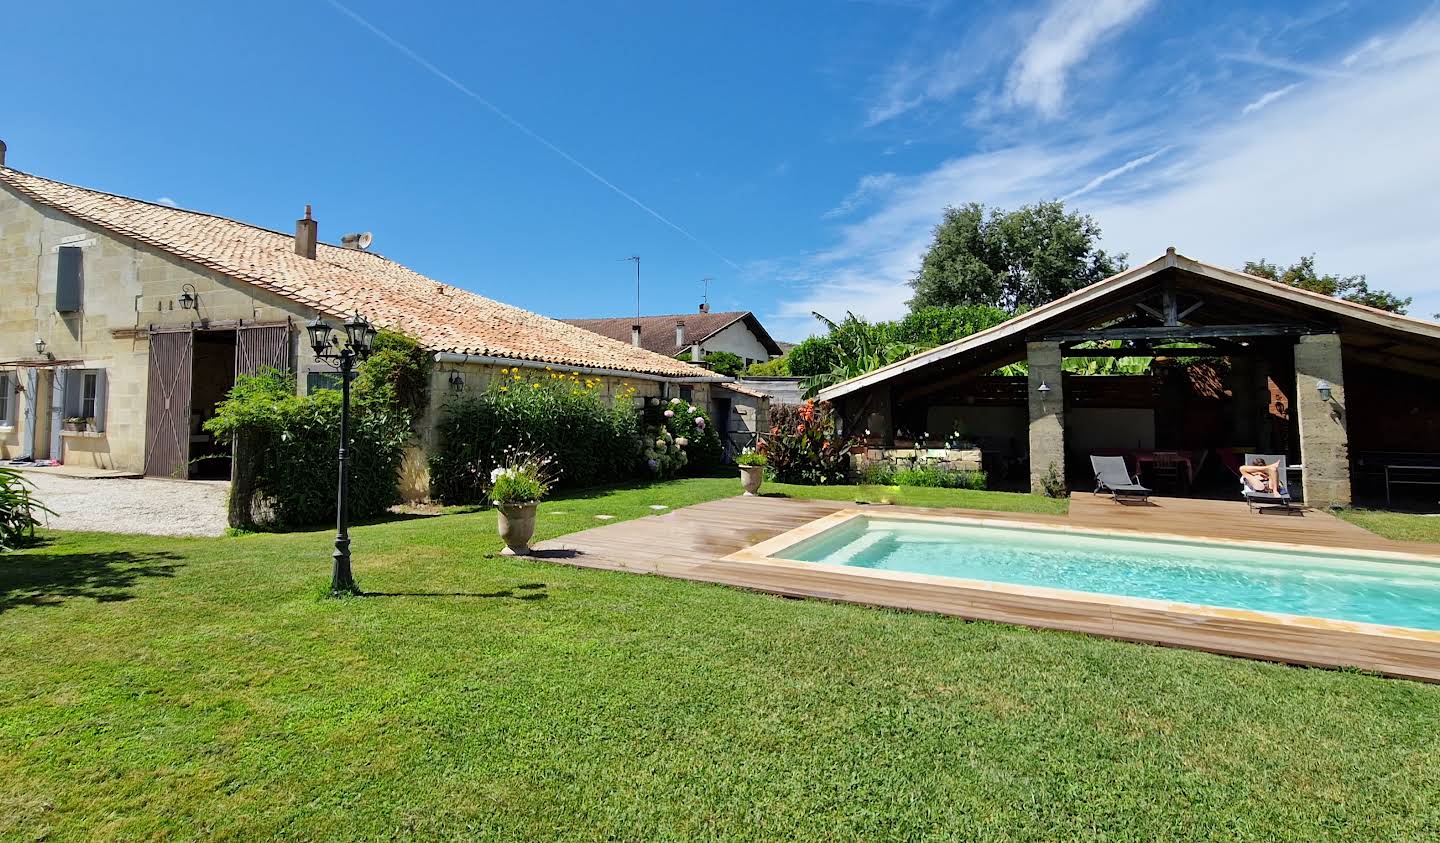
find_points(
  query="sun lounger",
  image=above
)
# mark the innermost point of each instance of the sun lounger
(1270, 497)
(1113, 477)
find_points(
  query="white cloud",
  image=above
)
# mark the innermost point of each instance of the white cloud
(1343, 167)
(167, 202)
(1267, 98)
(867, 188)
(1065, 38)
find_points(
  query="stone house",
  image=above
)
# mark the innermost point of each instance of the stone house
(123, 322)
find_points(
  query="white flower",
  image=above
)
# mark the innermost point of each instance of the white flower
(681, 441)
(674, 400)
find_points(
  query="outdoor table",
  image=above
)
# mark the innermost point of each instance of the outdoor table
(1408, 481)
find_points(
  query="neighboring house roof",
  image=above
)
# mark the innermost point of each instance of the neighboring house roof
(342, 281)
(657, 333)
(743, 390)
(1077, 301)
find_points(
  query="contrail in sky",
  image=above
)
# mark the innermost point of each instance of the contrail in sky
(536, 136)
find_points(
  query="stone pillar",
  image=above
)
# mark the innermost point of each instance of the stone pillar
(1324, 444)
(1047, 411)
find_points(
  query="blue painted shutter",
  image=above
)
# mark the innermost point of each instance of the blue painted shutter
(69, 280)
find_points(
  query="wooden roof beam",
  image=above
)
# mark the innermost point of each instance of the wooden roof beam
(1186, 332)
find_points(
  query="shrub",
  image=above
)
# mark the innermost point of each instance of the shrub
(18, 509)
(691, 423)
(939, 478)
(803, 446)
(1052, 483)
(591, 438)
(878, 474)
(289, 443)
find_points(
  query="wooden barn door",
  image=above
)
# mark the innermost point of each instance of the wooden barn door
(167, 416)
(256, 348)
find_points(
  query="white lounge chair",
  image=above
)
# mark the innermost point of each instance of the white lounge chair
(1256, 499)
(1111, 475)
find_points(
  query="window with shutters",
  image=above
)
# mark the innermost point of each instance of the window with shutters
(69, 279)
(316, 381)
(85, 396)
(7, 399)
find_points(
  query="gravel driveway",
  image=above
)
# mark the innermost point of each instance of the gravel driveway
(120, 505)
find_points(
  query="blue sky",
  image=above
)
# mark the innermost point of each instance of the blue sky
(797, 153)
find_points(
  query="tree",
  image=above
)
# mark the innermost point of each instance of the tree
(854, 346)
(1011, 260)
(724, 363)
(1353, 288)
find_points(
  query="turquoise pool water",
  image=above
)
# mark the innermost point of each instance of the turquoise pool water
(1395, 593)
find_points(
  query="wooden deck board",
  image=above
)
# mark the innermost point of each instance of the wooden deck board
(692, 543)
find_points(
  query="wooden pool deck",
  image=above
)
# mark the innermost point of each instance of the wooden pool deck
(710, 541)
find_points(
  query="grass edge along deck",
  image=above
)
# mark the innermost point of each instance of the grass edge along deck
(1294, 639)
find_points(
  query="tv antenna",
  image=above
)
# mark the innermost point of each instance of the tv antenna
(636, 258)
(705, 284)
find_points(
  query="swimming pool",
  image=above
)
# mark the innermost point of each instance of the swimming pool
(1376, 589)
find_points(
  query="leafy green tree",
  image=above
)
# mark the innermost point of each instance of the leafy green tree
(777, 368)
(1352, 288)
(855, 346)
(1012, 260)
(724, 363)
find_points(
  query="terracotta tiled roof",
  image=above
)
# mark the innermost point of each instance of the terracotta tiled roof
(343, 281)
(657, 333)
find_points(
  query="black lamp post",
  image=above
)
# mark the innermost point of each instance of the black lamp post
(359, 339)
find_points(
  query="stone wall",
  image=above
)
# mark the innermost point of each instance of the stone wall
(1324, 440)
(945, 459)
(1047, 412)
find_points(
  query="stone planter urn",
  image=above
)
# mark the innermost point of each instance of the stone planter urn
(516, 524)
(751, 476)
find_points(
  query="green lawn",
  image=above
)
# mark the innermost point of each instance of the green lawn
(205, 688)
(1402, 526)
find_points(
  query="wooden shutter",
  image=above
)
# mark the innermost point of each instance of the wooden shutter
(167, 416)
(256, 348)
(101, 389)
(69, 279)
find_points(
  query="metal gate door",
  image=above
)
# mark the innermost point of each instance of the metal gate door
(256, 348)
(167, 416)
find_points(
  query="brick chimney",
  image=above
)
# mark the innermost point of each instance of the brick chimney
(705, 308)
(680, 334)
(635, 335)
(307, 232)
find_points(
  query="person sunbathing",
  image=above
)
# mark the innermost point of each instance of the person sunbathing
(1262, 476)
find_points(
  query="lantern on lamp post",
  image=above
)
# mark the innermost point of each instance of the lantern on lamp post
(359, 340)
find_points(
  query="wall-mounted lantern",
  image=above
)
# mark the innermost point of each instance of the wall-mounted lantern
(40, 346)
(1323, 387)
(456, 380)
(189, 299)
(1043, 389)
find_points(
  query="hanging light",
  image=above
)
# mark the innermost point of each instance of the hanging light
(320, 332)
(359, 334)
(189, 299)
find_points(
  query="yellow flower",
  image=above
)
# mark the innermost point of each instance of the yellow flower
(534, 386)
(504, 388)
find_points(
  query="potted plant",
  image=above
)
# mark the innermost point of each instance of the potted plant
(752, 471)
(516, 488)
(77, 423)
